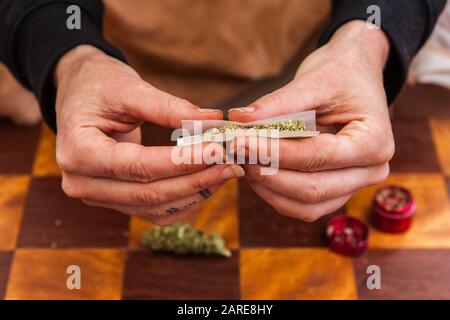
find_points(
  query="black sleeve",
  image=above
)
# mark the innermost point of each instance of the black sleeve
(34, 36)
(407, 23)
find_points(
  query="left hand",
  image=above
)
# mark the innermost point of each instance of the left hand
(343, 82)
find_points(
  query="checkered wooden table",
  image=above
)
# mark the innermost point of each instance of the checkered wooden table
(274, 257)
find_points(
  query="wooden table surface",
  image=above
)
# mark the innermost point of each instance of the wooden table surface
(42, 231)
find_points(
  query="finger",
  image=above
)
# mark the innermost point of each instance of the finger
(297, 210)
(134, 136)
(161, 215)
(326, 151)
(319, 186)
(289, 99)
(92, 153)
(147, 194)
(150, 104)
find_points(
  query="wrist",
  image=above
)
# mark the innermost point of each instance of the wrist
(371, 44)
(73, 59)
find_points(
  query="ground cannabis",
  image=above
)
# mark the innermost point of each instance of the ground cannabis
(182, 238)
(280, 126)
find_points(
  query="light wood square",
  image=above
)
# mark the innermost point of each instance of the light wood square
(431, 224)
(296, 273)
(41, 274)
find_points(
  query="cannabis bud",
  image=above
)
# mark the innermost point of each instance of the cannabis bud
(289, 125)
(182, 238)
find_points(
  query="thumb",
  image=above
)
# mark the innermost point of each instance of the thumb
(289, 99)
(150, 104)
(134, 136)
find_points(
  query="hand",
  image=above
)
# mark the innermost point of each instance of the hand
(16, 102)
(343, 82)
(101, 103)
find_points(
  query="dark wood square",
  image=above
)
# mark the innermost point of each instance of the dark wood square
(421, 101)
(51, 219)
(414, 148)
(5, 264)
(406, 274)
(17, 148)
(261, 226)
(154, 135)
(164, 276)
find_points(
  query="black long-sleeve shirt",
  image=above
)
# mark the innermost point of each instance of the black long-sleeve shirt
(34, 36)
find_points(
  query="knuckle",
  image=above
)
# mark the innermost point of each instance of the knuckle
(383, 175)
(176, 105)
(148, 196)
(274, 99)
(72, 149)
(385, 152)
(316, 162)
(138, 171)
(199, 183)
(70, 188)
(65, 160)
(174, 102)
(184, 167)
(313, 193)
(390, 150)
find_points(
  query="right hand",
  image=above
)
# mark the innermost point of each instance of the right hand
(101, 103)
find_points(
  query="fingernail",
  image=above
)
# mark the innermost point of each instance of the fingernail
(244, 110)
(233, 171)
(208, 110)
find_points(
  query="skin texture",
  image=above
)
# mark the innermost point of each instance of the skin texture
(101, 103)
(343, 82)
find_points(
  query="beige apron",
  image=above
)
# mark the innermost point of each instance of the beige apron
(209, 50)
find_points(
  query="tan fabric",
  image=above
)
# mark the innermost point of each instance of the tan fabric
(432, 64)
(207, 50)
